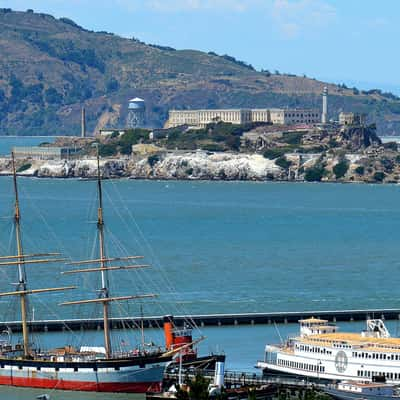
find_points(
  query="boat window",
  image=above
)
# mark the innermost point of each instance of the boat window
(76, 369)
(38, 368)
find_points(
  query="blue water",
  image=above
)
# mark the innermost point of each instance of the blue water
(224, 247)
(7, 142)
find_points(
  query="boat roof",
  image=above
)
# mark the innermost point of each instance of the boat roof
(367, 343)
(314, 320)
(135, 99)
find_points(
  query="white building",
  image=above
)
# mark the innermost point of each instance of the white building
(279, 116)
(297, 116)
(350, 118)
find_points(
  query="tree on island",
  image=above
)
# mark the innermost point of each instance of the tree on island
(341, 168)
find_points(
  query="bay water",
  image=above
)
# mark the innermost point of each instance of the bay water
(220, 247)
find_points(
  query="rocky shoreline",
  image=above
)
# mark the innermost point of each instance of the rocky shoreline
(192, 165)
(196, 165)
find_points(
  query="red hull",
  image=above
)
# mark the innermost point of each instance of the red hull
(136, 387)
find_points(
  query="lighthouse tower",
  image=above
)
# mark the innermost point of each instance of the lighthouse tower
(136, 113)
(324, 117)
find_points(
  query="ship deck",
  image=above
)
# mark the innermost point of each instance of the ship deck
(353, 339)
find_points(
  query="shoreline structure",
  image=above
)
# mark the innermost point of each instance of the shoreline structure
(190, 165)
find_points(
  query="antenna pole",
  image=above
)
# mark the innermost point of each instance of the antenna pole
(103, 267)
(21, 268)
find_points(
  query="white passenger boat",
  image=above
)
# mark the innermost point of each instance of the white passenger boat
(320, 352)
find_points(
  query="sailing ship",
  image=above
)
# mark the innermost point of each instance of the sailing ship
(322, 353)
(89, 368)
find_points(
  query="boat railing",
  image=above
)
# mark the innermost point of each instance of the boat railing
(137, 353)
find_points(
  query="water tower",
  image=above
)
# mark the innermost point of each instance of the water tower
(136, 113)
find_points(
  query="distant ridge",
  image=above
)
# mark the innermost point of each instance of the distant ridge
(50, 67)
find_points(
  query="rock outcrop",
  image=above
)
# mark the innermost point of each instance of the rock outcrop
(375, 164)
(179, 165)
(205, 165)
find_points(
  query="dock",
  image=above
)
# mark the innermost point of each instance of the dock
(202, 320)
(241, 379)
(239, 385)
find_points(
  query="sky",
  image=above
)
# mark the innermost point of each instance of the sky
(340, 41)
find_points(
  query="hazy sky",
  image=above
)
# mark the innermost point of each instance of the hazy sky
(350, 41)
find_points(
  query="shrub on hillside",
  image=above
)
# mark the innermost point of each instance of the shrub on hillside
(283, 162)
(360, 170)
(212, 147)
(379, 176)
(52, 96)
(292, 137)
(107, 150)
(315, 174)
(133, 136)
(276, 152)
(340, 169)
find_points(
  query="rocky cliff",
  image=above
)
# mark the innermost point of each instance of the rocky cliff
(191, 165)
(375, 164)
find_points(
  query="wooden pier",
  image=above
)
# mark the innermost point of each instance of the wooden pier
(205, 320)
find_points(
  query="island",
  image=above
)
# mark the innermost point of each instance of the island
(220, 151)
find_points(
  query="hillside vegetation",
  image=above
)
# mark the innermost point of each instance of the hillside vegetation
(50, 67)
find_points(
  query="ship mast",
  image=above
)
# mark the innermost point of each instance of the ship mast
(21, 268)
(20, 260)
(103, 266)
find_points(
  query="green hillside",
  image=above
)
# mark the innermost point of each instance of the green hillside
(50, 67)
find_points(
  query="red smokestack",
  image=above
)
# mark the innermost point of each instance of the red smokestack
(168, 331)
